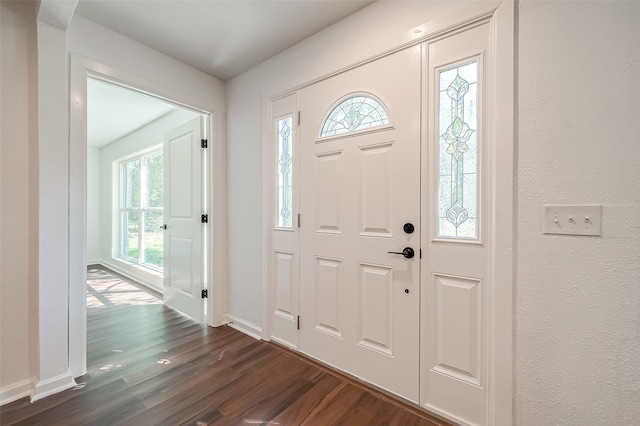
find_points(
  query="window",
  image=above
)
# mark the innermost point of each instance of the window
(354, 113)
(284, 174)
(141, 209)
(457, 151)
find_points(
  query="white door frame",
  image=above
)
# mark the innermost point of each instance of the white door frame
(80, 69)
(502, 176)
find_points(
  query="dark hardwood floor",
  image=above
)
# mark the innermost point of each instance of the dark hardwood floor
(150, 365)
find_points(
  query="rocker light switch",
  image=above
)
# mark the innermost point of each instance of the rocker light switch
(573, 219)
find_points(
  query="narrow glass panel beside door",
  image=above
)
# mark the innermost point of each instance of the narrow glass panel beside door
(284, 173)
(457, 151)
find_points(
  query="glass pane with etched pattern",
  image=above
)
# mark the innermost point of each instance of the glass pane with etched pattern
(457, 151)
(284, 174)
(354, 113)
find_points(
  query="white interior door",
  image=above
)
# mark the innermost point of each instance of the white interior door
(183, 269)
(359, 304)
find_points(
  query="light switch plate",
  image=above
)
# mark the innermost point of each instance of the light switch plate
(573, 219)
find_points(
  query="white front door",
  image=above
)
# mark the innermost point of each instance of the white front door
(359, 303)
(183, 271)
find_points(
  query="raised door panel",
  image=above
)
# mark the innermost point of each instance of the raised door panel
(329, 192)
(375, 308)
(181, 191)
(181, 276)
(284, 283)
(376, 190)
(456, 327)
(328, 291)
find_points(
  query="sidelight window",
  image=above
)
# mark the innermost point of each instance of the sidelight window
(457, 101)
(284, 174)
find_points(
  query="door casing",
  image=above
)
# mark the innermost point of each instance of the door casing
(80, 69)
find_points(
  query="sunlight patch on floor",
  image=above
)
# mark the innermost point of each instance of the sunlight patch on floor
(104, 289)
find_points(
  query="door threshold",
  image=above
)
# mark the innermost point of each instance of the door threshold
(370, 387)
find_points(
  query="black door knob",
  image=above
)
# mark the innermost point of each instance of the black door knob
(408, 252)
(409, 228)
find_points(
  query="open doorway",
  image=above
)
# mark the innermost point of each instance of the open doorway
(136, 146)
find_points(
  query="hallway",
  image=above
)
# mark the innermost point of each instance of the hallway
(148, 364)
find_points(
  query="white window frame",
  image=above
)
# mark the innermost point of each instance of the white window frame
(140, 210)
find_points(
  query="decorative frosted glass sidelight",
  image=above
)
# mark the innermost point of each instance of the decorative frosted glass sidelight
(354, 113)
(284, 178)
(457, 151)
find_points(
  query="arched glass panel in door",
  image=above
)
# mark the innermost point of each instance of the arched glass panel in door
(356, 112)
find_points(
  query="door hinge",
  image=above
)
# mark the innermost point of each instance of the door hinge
(420, 253)
(298, 118)
(298, 322)
(298, 220)
(204, 218)
(204, 294)
(204, 143)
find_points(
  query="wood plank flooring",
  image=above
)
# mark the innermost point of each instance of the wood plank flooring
(150, 365)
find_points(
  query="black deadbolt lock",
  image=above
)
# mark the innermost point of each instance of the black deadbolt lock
(409, 228)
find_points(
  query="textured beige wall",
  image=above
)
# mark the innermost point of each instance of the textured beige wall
(578, 298)
(18, 183)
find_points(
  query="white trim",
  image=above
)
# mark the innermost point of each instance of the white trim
(130, 274)
(16, 391)
(449, 23)
(53, 385)
(80, 69)
(268, 153)
(446, 415)
(503, 239)
(77, 325)
(244, 326)
(217, 231)
(285, 344)
(356, 133)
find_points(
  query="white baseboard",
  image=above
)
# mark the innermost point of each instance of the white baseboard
(53, 385)
(16, 391)
(139, 278)
(94, 262)
(284, 343)
(244, 326)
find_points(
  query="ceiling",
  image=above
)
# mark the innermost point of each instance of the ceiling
(113, 112)
(223, 38)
